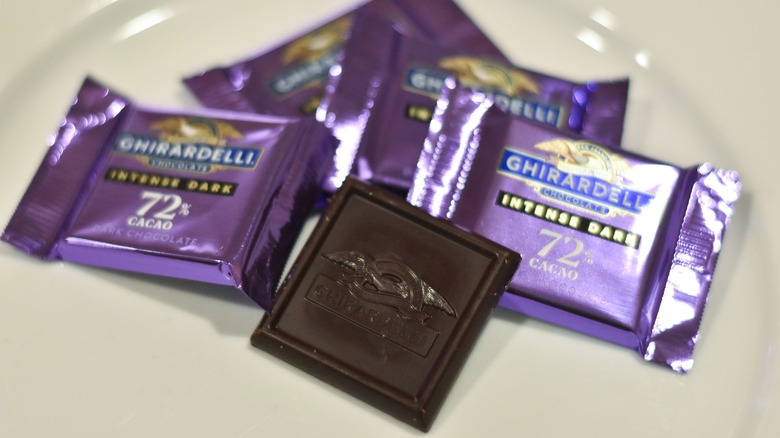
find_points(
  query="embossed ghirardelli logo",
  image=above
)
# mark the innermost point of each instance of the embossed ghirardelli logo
(382, 295)
(390, 283)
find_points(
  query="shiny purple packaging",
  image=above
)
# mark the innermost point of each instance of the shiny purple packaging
(212, 196)
(380, 101)
(289, 79)
(618, 246)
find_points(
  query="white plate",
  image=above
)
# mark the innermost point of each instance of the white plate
(88, 352)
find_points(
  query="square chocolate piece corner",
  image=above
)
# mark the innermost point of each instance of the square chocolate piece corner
(385, 302)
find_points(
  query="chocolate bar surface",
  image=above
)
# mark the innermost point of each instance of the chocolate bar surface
(385, 302)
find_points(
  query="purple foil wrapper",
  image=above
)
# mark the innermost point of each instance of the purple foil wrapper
(618, 246)
(211, 196)
(289, 80)
(380, 101)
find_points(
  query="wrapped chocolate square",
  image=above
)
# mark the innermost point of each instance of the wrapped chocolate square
(290, 79)
(381, 99)
(212, 196)
(617, 245)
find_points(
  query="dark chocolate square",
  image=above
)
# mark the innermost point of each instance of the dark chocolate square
(385, 302)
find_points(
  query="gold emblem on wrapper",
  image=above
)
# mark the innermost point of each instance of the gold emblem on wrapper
(577, 173)
(189, 144)
(317, 43)
(482, 74)
(584, 158)
(179, 129)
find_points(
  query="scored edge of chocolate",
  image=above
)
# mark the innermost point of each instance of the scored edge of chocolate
(417, 408)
